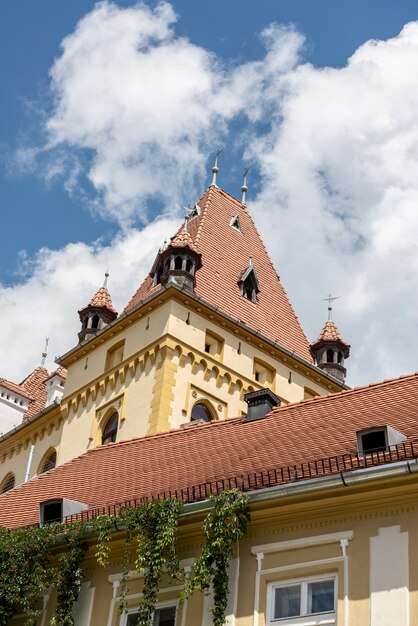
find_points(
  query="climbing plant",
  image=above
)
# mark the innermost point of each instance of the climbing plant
(27, 569)
(224, 525)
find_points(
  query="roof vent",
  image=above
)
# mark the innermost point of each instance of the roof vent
(260, 403)
(56, 510)
(378, 439)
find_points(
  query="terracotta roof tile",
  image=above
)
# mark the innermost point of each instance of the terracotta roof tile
(225, 255)
(102, 299)
(7, 384)
(307, 431)
(182, 239)
(60, 371)
(35, 384)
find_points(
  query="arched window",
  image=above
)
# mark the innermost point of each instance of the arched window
(178, 263)
(8, 483)
(201, 412)
(85, 322)
(48, 462)
(189, 265)
(330, 356)
(95, 321)
(340, 357)
(111, 429)
(159, 274)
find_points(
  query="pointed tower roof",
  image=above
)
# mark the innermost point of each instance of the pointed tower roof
(330, 334)
(101, 300)
(182, 239)
(224, 251)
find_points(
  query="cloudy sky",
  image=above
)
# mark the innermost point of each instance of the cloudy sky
(109, 117)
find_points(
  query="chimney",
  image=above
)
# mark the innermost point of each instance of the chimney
(260, 403)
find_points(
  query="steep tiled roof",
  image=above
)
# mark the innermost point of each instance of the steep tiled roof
(225, 256)
(289, 436)
(35, 384)
(7, 384)
(182, 239)
(102, 299)
(60, 371)
(330, 332)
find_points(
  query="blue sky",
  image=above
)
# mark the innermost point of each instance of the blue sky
(330, 144)
(36, 214)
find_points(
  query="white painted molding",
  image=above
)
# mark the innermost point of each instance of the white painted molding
(303, 542)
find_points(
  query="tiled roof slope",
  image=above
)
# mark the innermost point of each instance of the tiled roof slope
(35, 385)
(7, 384)
(225, 256)
(330, 332)
(182, 239)
(289, 435)
(102, 299)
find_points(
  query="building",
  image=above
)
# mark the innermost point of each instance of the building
(204, 382)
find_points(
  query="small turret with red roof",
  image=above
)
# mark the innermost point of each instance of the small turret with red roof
(98, 313)
(330, 350)
(177, 263)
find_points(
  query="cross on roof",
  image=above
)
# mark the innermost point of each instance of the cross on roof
(330, 299)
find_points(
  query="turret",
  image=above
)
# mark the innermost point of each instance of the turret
(177, 263)
(97, 314)
(330, 351)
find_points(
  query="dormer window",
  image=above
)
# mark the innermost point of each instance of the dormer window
(194, 212)
(249, 284)
(235, 223)
(378, 439)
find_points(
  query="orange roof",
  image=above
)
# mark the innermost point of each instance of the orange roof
(35, 384)
(331, 333)
(7, 384)
(102, 299)
(182, 239)
(60, 371)
(321, 428)
(225, 256)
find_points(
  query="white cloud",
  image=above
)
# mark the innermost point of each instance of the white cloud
(63, 281)
(136, 109)
(340, 181)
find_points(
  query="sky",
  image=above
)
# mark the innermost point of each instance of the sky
(110, 114)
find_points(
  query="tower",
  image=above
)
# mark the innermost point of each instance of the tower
(330, 351)
(178, 262)
(97, 314)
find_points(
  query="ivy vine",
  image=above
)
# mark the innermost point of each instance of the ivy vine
(151, 530)
(225, 524)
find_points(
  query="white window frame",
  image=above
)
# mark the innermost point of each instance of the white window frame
(312, 619)
(160, 605)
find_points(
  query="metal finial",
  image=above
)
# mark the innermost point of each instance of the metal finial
(329, 300)
(106, 277)
(244, 187)
(45, 353)
(215, 168)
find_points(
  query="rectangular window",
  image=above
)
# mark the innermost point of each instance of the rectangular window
(115, 355)
(162, 617)
(264, 373)
(214, 344)
(299, 602)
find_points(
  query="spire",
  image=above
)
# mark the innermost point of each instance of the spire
(215, 168)
(330, 349)
(329, 300)
(244, 187)
(45, 352)
(98, 313)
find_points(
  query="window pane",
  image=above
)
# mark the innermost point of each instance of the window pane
(162, 617)
(165, 617)
(286, 602)
(321, 596)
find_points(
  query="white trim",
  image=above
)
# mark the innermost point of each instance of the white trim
(304, 542)
(285, 568)
(304, 619)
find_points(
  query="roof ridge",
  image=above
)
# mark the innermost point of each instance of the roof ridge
(354, 390)
(268, 256)
(209, 192)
